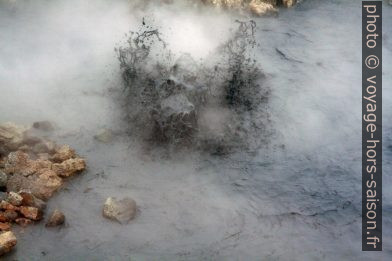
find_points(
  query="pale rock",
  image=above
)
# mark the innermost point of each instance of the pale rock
(258, 7)
(46, 183)
(104, 136)
(69, 167)
(63, 153)
(7, 242)
(14, 198)
(120, 210)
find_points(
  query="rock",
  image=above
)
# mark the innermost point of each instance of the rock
(8, 215)
(31, 201)
(69, 167)
(63, 153)
(120, 210)
(24, 222)
(11, 136)
(225, 3)
(7, 242)
(3, 179)
(44, 126)
(17, 162)
(289, 3)
(4, 205)
(46, 183)
(258, 7)
(5, 226)
(31, 213)
(17, 182)
(14, 198)
(57, 218)
(43, 184)
(104, 136)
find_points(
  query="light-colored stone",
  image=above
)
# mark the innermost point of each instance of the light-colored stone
(69, 167)
(104, 136)
(122, 210)
(7, 242)
(258, 7)
(225, 3)
(63, 153)
(46, 183)
(14, 198)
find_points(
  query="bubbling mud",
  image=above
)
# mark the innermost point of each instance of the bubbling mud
(208, 104)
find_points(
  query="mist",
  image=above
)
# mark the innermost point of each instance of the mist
(298, 193)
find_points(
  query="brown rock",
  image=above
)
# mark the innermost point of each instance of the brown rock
(31, 213)
(3, 218)
(4, 205)
(42, 184)
(31, 201)
(57, 218)
(69, 167)
(10, 215)
(19, 162)
(7, 242)
(16, 162)
(24, 222)
(63, 153)
(5, 226)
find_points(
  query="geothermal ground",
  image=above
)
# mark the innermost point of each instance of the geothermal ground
(297, 197)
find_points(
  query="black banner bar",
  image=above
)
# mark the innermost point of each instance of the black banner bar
(372, 126)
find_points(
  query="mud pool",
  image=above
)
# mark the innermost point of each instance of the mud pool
(297, 198)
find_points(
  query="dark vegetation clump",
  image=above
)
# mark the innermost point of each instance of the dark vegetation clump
(173, 100)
